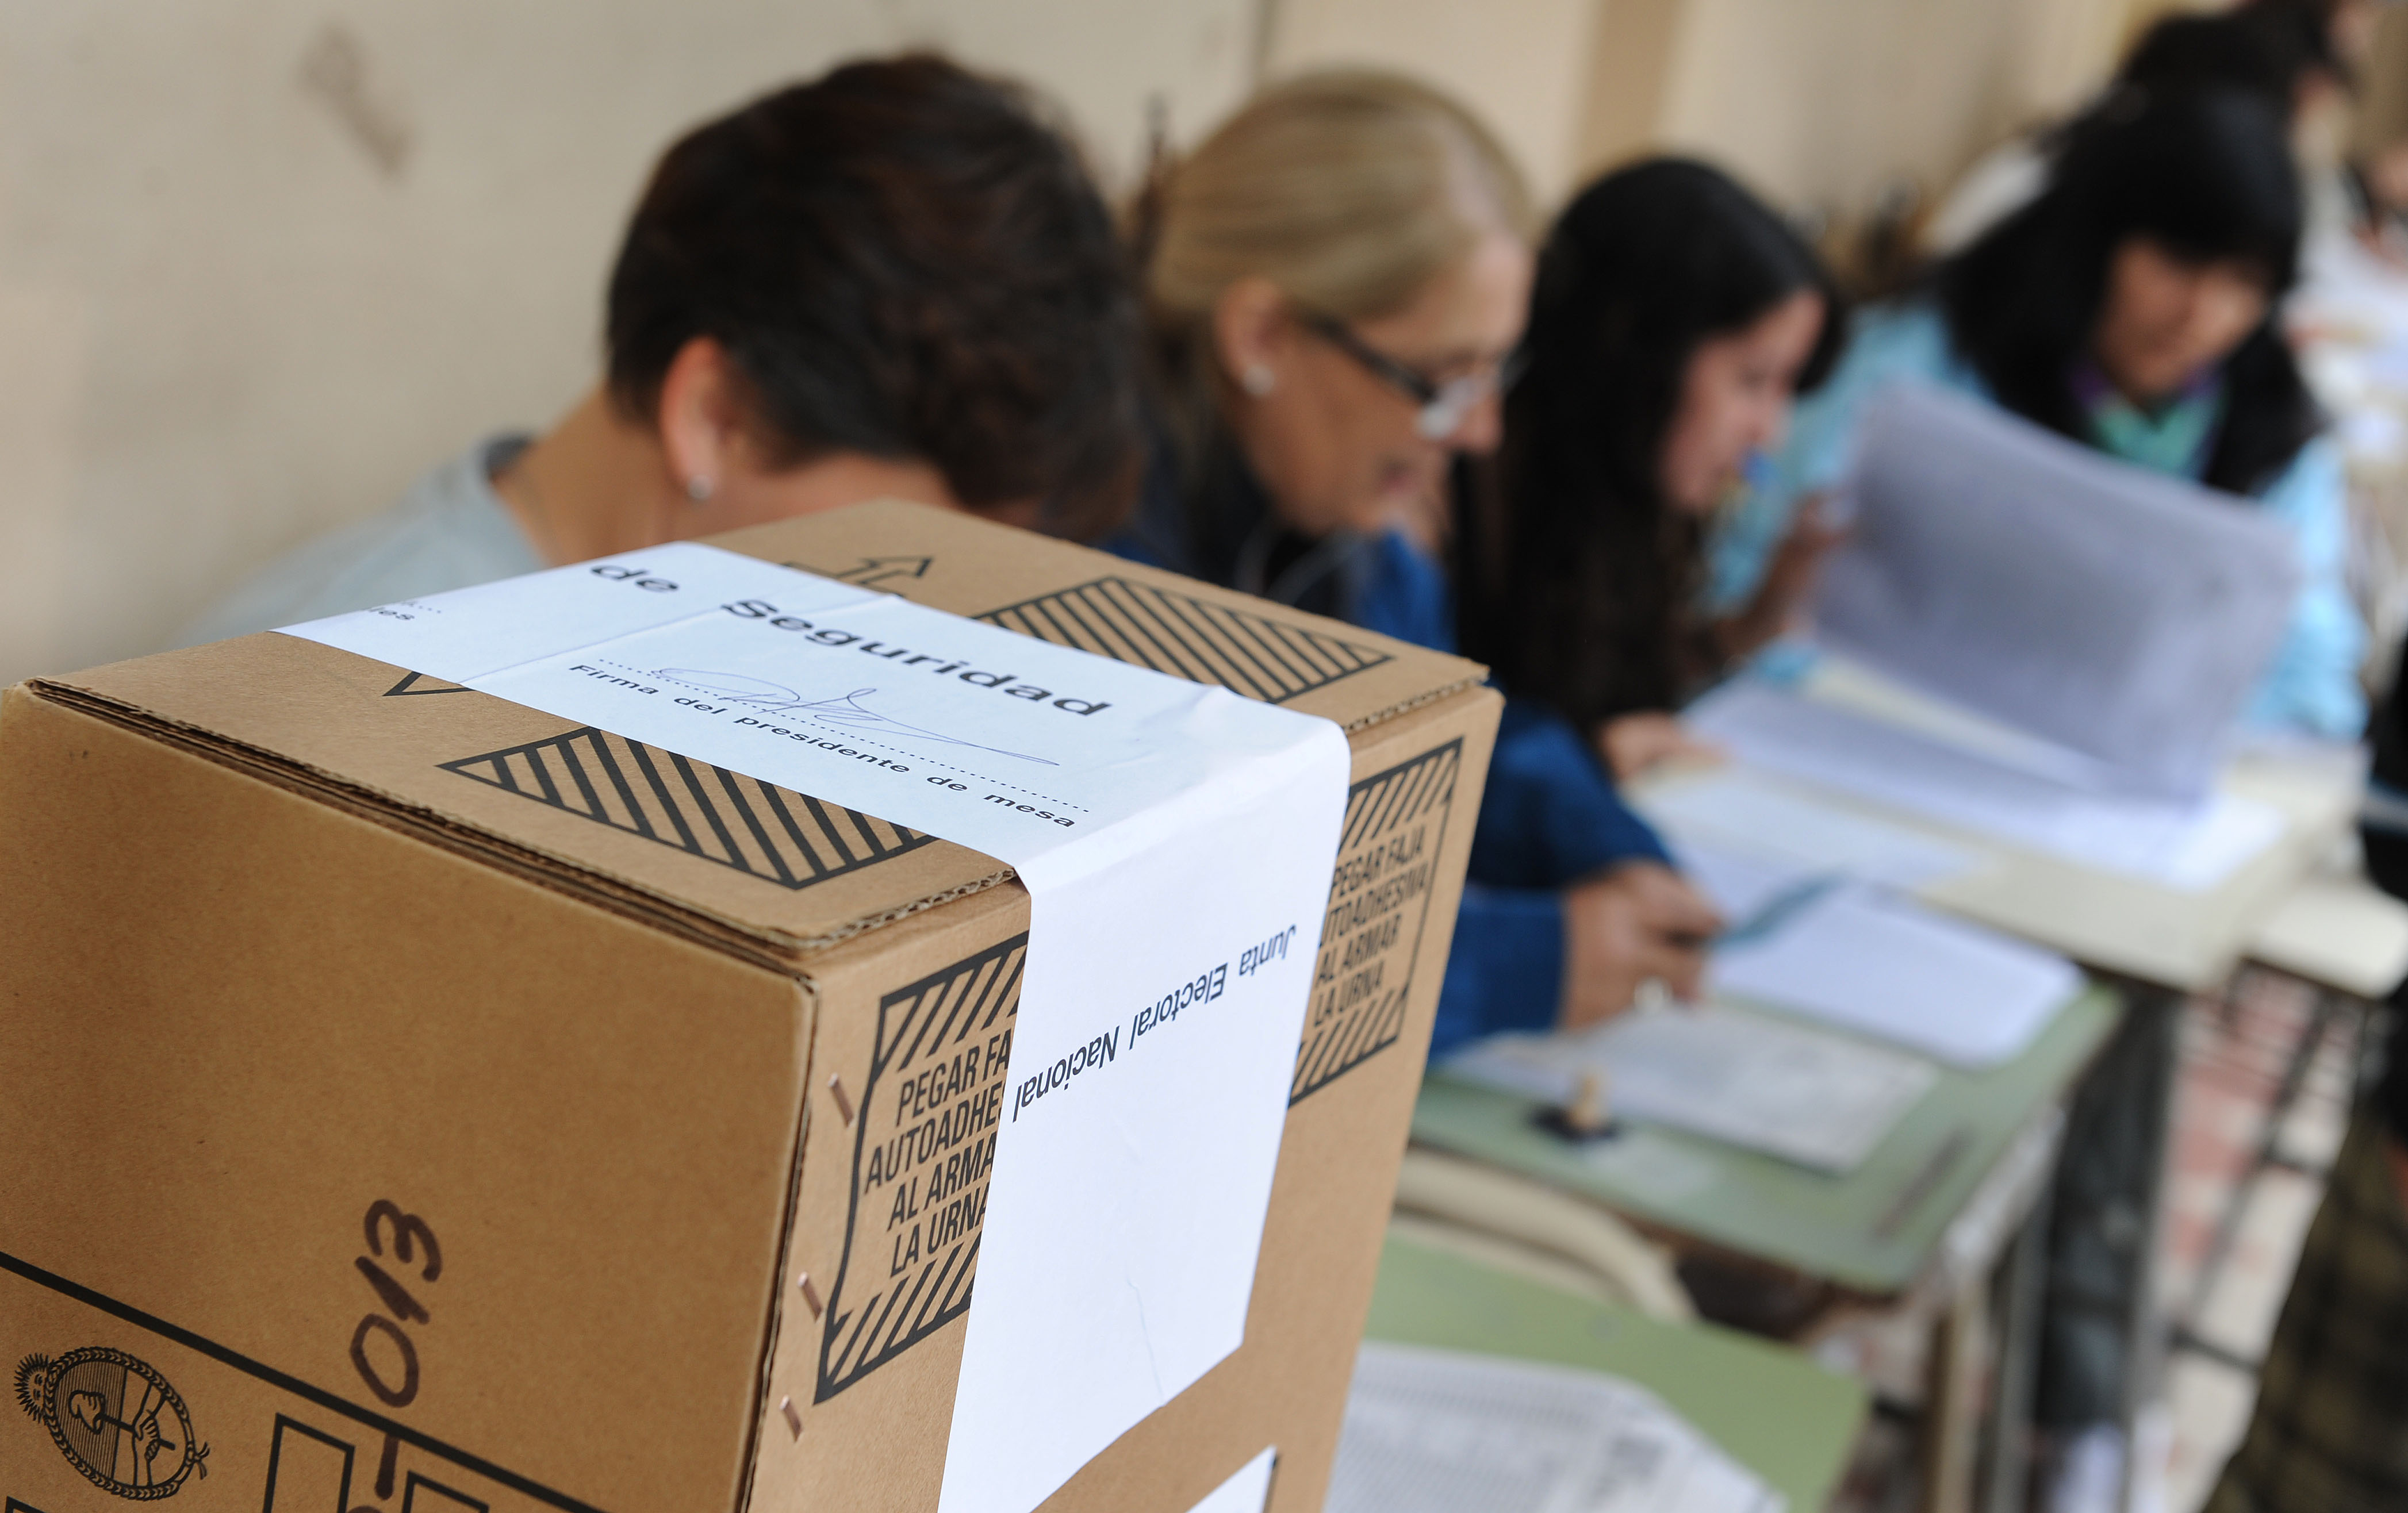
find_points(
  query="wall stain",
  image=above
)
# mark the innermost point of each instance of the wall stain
(334, 71)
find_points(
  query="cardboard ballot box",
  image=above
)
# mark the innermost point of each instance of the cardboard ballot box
(415, 1101)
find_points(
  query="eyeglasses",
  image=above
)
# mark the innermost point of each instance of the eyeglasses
(1442, 405)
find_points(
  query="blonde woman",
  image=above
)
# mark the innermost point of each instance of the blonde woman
(1335, 282)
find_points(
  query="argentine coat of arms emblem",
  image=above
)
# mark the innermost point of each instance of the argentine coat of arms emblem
(115, 1419)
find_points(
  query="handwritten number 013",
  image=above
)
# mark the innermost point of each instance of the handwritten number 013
(413, 1244)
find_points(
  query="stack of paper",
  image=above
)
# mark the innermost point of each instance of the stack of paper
(1436, 1431)
(2115, 610)
(2173, 843)
(1816, 946)
(1883, 966)
(1820, 1100)
(1736, 810)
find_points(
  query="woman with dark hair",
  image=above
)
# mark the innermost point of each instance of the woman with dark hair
(1675, 316)
(897, 281)
(1334, 281)
(2280, 51)
(2132, 308)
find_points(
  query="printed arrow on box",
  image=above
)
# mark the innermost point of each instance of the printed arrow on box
(873, 570)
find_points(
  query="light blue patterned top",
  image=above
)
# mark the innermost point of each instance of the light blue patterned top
(2311, 686)
(449, 531)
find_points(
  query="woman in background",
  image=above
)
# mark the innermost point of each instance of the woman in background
(897, 281)
(2280, 49)
(1674, 320)
(2132, 308)
(1334, 281)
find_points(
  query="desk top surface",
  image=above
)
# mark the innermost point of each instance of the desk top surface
(2188, 941)
(1770, 1407)
(1871, 1231)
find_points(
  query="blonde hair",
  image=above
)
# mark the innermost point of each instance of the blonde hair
(1349, 190)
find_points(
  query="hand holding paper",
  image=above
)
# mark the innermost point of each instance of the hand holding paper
(1640, 921)
(1782, 602)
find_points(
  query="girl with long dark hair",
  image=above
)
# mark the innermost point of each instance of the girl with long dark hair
(1674, 317)
(1335, 281)
(2132, 308)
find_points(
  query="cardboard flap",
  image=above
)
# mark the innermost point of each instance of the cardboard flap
(1080, 597)
(700, 848)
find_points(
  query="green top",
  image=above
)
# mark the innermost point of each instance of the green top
(1770, 1407)
(1871, 1229)
(2174, 438)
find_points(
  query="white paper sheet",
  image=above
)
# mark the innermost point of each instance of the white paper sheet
(1818, 1099)
(1735, 810)
(1162, 828)
(2114, 609)
(2185, 846)
(1739, 884)
(1889, 968)
(1438, 1432)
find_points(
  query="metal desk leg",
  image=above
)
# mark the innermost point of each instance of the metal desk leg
(1976, 1444)
(2147, 1329)
(2022, 1286)
(1952, 1423)
(2103, 1335)
(2327, 1009)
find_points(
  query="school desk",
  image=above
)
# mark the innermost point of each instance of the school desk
(2158, 943)
(1951, 1199)
(1870, 1233)
(2339, 931)
(1770, 1407)
(2167, 937)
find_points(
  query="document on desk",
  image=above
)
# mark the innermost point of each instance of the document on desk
(1745, 1078)
(2118, 611)
(1735, 812)
(1741, 882)
(1887, 967)
(2183, 845)
(1441, 1431)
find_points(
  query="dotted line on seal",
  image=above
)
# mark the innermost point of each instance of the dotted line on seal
(859, 740)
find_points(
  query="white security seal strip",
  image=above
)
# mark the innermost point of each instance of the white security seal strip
(1247, 1491)
(1165, 830)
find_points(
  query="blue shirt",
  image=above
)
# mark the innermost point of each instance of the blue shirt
(2311, 685)
(1550, 816)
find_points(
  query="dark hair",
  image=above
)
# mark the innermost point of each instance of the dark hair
(1579, 576)
(2313, 22)
(2265, 51)
(903, 259)
(2208, 175)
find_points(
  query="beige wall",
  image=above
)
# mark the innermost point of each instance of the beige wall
(1821, 103)
(1826, 104)
(1525, 64)
(2383, 119)
(262, 261)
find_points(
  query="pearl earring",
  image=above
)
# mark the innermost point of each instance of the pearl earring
(1257, 380)
(698, 488)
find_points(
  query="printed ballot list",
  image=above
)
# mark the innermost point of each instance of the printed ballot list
(1176, 841)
